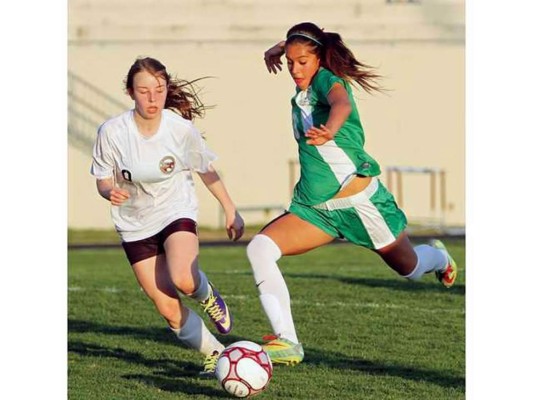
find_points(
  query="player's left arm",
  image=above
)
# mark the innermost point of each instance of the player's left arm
(234, 222)
(340, 110)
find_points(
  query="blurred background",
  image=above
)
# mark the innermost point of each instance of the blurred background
(416, 130)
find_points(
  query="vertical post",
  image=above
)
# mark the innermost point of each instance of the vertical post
(400, 188)
(443, 194)
(389, 179)
(292, 176)
(432, 190)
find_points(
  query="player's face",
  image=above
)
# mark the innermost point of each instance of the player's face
(149, 93)
(302, 64)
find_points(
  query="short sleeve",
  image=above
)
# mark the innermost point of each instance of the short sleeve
(198, 155)
(323, 83)
(102, 164)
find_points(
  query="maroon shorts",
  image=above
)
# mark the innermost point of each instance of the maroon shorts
(139, 250)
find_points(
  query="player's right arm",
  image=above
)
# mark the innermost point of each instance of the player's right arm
(102, 169)
(109, 191)
(273, 57)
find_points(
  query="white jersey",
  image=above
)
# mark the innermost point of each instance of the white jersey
(155, 170)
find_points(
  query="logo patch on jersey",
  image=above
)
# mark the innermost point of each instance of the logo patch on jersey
(167, 164)
(126, 175)
(303, 98)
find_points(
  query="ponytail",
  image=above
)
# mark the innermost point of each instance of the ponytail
(183, 97)
(339, 59)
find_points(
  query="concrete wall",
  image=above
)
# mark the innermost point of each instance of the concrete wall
(418, 48)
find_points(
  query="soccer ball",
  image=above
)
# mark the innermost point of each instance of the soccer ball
(244, 369)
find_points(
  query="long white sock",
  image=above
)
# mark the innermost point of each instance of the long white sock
(429, 259)
(273, 292)
(203, 291)
(195, 335)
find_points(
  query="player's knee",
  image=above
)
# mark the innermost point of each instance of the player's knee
(254, 248)
(184, 282)
(186, 287)
(263, 253)
(168, 309)
(261, 247)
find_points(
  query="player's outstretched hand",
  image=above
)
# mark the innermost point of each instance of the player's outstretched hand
(234, 226)
(273, 57)
(318, 136)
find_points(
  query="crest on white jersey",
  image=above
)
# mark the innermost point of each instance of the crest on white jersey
(167, 164)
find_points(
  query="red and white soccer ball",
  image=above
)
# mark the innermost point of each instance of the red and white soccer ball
(244, 369)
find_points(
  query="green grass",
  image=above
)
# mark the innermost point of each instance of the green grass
(367, 333)
(92, 236)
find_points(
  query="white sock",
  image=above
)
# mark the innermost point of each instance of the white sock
(195, 335)
(429, 259)
(203, 291)
(273, 292)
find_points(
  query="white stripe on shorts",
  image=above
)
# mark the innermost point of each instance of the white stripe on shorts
(377, 229)
(374, 223)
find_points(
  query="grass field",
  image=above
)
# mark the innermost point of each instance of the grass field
(367, 333)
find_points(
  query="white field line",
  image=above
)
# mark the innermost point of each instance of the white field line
(385, 306)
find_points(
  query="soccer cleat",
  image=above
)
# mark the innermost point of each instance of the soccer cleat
(283, 351)
(218, 311)
(210, 363)
(448, 275)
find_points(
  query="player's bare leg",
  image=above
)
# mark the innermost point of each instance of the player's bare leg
(182, 249)
(295, 236)
(400, 255)
(413, 262)
(154, 278)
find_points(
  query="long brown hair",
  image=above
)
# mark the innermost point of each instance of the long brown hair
(182, 95)
(334, 55)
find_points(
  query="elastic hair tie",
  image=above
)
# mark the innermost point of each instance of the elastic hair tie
(305, 36)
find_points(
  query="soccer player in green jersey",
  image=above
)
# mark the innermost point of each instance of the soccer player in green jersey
(338, 194)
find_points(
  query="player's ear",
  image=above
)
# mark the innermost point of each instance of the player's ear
(130, 92)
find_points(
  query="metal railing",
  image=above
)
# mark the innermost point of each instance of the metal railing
(88, 107)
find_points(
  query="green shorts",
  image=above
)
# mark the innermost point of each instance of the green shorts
(370, 218)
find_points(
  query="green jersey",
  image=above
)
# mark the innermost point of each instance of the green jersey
(324, 168)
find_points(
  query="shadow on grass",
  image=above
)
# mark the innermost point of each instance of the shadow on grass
(168, 374)
(160, 335)
(341, 362)
(182, 376)
(427, 284)
(394, 284)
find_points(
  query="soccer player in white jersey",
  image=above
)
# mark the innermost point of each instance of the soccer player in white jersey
(338, 194)
(143, 161)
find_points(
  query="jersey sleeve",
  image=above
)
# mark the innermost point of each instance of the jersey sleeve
(102, 162)
(198, 155)
(323, 84)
